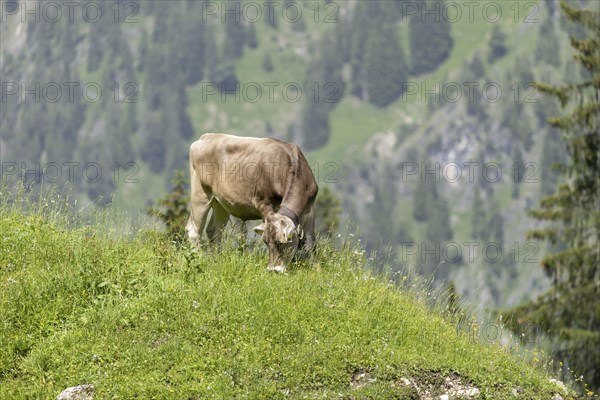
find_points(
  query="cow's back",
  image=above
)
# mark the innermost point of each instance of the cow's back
(241, 172)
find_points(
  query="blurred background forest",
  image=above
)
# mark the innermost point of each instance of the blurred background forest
(424, 123)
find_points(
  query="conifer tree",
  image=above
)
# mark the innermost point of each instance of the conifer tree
(172, 209)
(552, 157)
(152, 150)
(235, 39)
(419, 200)
(251, 38)
(362, 24)
(479, 230)
(498, 47)
(328, 208)
(548, 50)
(192, 49)
(386, 70)
(570, 311)
(517, 171)
(267, 63)
(430, 39)
(322, 97)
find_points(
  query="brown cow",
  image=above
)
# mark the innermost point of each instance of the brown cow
(252, 178)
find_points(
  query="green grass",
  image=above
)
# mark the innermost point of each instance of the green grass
(85, 301)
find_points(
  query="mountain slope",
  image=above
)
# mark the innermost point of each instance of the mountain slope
(135, 316)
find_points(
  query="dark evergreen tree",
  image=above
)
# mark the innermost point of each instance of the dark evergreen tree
(270, 17)
(524, 71)
(213, 59)
(495, 224)
(143, 51)
(129, 122)
(251, 38)
(548, 45)
(172, 209)
(518, 171)
(153, 150)
(300, 25)
(438, 232)
(476, 106)
(193, 40)
(553, 151)
(438, 228)
(98, 32)
(363, 23)
(552, 6)
(114, 133)
(155, 78)
(226, 78)
(328, 208)
(476, 68)
(570, 312)
(321, 97)
(386, 71)
(186, 131)
(97, 153)
(353, 38)
(315, 125)
(420, 211)
(161, 23)
(545, 108)
(498, 47)
(267, 63)
(383, 230)
(430, 39)
(479, 230)
(235, 39)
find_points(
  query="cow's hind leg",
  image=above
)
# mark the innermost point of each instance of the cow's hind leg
(217, 223)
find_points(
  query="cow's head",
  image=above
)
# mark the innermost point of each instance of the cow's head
(281, 237)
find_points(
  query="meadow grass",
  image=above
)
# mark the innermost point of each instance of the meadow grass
(85, 299)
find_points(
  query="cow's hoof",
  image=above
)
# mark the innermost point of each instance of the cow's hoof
(279, 269)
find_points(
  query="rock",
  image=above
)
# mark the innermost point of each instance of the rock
(517, 391)
(405, 382)
(278, 269)
(81, 392)
(361, 378)
(558, 383)
(468, 392)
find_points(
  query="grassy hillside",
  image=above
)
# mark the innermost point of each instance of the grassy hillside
(132, 314)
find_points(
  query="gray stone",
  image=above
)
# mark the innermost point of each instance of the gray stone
(81, 392)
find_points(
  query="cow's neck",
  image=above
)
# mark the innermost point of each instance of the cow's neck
(291, 214)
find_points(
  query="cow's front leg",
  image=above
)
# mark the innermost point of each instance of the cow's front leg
(200, 207)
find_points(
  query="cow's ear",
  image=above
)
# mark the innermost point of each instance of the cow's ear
(260, 229)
